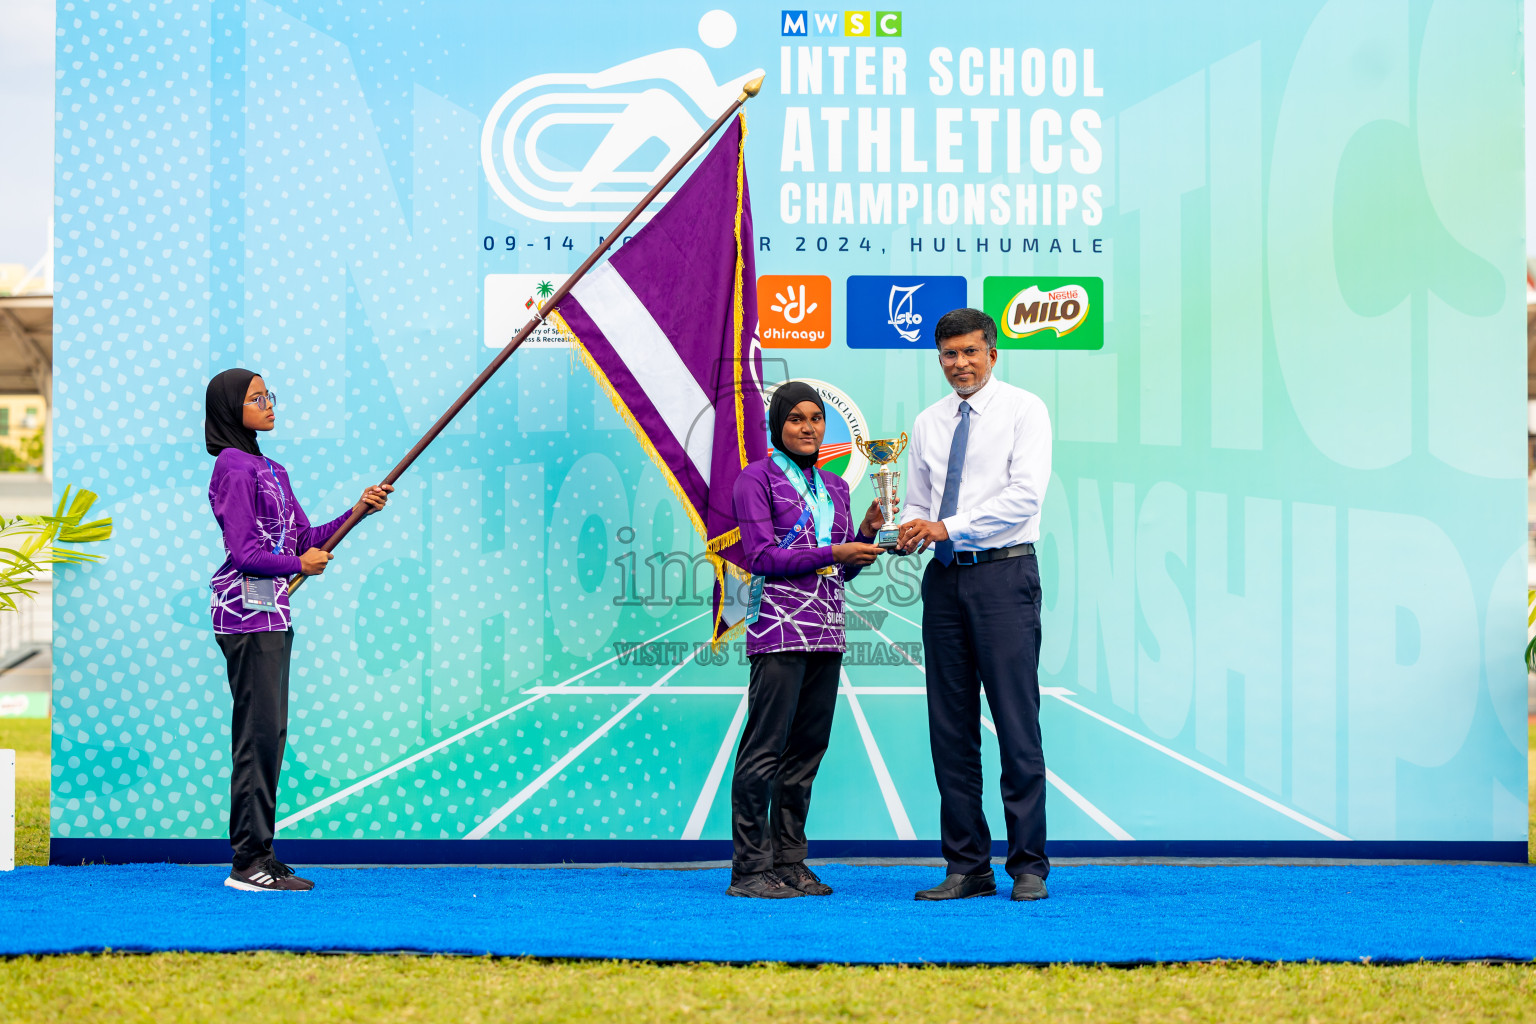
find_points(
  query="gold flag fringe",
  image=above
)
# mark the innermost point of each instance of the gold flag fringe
(739, 311)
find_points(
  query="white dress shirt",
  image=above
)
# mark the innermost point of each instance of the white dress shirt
(1007, 466)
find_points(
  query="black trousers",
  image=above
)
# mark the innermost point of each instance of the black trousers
(790, 701)
(981, 628)
(258, 681)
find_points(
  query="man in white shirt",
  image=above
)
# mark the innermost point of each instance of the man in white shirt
(978, 464)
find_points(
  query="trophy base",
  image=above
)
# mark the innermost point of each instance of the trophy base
(886, 537)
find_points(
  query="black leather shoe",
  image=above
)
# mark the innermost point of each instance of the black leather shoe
(960, 887)
(798, 876)
(1029, 887)
(765, 885)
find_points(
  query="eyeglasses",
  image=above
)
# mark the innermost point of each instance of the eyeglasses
(265, 400)
(950, 356)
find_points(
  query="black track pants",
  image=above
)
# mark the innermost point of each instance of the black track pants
(258, 681)
(790, 701)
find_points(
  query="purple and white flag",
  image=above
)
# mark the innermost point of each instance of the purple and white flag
(666, 327)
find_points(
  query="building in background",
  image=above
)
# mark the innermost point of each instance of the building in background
(26, 383)
(22, 426)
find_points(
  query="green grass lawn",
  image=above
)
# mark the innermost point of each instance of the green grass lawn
(253, 988)
(30, 738)
(298, 989)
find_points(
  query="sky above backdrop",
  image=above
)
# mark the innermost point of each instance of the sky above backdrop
(26, 98)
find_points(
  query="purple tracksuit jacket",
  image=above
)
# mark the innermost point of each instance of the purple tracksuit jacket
(801, 611)
(264, 531)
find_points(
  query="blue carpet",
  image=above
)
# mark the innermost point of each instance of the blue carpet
(1095, 914)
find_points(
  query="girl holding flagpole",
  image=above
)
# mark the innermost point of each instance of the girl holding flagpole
(800, 545)
(267, 538)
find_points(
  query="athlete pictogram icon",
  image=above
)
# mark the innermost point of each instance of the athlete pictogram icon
(537, 145)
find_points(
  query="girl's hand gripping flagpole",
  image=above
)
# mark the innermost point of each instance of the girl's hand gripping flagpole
(748, 91)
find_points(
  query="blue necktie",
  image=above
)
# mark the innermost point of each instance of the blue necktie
(944, 550)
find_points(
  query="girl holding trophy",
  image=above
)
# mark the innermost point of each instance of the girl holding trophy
(801, 547)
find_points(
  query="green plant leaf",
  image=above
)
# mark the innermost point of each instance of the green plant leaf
(99, 529)
(35, 537)
(82, 504)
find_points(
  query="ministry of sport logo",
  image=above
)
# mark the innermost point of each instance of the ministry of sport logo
(837, 455)
(899, 312)
(543, 158)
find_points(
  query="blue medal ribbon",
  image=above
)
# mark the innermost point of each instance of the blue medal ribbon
(818, 502)
(282, 508)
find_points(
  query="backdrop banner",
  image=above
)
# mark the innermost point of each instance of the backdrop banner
(1263, 264)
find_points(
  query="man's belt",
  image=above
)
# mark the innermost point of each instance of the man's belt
(993, 554)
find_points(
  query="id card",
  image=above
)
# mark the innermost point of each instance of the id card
(755, 599)
(258, 593)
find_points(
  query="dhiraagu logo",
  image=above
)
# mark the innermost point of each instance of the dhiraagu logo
(837, 455)
(1046, 312)
(794, 310)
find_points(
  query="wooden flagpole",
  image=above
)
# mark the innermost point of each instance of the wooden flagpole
(747, 92)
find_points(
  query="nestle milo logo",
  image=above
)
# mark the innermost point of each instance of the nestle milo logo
(1046, 312)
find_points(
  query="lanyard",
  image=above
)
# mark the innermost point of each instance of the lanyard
(282, 508)
(819, 502)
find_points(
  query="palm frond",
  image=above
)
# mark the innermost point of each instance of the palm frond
(29, 543)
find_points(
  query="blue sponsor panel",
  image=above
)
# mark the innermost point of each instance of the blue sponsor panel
(899, 312)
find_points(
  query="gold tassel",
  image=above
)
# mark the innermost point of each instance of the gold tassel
(740, 311)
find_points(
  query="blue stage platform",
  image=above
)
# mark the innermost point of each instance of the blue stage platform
(1130, 914)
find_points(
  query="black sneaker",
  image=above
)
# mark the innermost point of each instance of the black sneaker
(798, 876)
(270, 875)
(284, 871)
(765, 885)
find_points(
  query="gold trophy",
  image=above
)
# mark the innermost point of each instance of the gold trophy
(883, 456)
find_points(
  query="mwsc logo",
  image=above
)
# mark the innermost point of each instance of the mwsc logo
(840, 23)
(538, 148)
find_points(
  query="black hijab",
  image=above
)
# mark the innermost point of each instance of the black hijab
(785, 398)
(224, 424)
